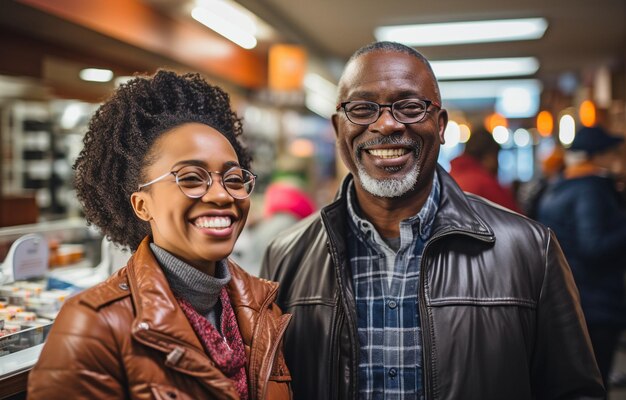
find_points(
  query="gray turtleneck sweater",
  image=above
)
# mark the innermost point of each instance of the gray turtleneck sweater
(201, 290)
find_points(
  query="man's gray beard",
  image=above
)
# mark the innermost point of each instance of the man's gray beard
(387, 188)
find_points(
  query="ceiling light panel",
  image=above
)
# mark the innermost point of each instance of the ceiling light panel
(463, 32)
(485, 68)
(229, 20)
(96, 75)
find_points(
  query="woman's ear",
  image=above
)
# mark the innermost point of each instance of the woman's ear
(140, 206)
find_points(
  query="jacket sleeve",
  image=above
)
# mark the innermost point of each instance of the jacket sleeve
(79, 360)
(563, 364)
(268, 267)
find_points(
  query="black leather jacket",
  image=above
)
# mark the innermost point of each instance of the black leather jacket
(499, 310)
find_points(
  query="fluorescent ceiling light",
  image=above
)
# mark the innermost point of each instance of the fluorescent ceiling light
(319, 104)
(485, 68)
(96, 75)
(490, 89)
(228, 20)
(518, 102)
(463, 32)
(514, 98)
(315, 83)
(320, 95)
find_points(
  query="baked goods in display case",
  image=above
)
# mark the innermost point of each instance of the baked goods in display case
(42, 266)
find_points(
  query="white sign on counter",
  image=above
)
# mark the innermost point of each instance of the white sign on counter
(27, 258)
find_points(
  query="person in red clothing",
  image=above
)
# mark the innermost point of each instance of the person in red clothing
(476, 170)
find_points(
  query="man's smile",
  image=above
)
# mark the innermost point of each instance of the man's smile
(388, 153)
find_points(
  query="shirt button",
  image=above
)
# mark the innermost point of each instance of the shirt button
(123, 286)
(392, 304)
(143, 326)
(392, 373)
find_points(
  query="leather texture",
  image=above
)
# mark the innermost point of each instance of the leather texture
(499, 311)
(127, 338)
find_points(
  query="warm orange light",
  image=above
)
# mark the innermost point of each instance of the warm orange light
(494, 120)
(286, 66)
(303, 148)
(587, 113)
(545, 123)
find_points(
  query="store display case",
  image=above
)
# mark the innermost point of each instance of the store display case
(70, 253)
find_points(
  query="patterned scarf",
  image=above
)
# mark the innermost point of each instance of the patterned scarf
(228, 351)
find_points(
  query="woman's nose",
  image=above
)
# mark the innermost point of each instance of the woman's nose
(217, 194)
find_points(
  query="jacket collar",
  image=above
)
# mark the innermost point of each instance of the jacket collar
(455, 214)
(161, 324)
(156, 308)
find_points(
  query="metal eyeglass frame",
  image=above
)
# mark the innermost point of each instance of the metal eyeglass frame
(208, 183)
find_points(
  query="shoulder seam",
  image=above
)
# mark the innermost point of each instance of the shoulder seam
(106, 292)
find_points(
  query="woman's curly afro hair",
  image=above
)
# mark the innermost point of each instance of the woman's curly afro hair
(119, 142)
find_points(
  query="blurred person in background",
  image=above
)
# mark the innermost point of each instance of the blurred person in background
(163, 172)
(584, 210)
(476, 170)
(405, 287)
(530, 193)
(285, 202)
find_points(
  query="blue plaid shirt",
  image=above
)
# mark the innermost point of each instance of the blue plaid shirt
(386, 286)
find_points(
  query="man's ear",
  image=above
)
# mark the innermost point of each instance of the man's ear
(335, 120)
(442, 118)
(140, 206)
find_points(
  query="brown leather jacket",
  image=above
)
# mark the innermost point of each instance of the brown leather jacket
(128, 338)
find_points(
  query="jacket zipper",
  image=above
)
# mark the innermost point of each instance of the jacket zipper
(425, 322)
(426, 328)
(354, 372)
(334, 349)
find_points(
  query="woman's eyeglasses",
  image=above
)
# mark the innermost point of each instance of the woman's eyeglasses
(195, 181)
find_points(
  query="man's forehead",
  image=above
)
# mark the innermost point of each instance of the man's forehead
(390, 68)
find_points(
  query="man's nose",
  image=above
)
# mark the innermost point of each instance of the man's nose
(386, 124)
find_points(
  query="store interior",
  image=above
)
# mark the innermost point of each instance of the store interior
(281, 71)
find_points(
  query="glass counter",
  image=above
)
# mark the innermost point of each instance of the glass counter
(28, 308)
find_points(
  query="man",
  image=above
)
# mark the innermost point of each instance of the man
(584, 209)
(404, 287)
(476, 170)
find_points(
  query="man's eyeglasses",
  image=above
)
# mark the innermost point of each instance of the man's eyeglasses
(406, 111)
(195, 181)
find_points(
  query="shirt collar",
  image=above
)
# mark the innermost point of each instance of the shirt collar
(422, 220)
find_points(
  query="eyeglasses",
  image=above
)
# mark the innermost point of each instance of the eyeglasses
(195, 181)
(407, 111)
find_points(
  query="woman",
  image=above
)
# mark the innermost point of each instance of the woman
(164, 173)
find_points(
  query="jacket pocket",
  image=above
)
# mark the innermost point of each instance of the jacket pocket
(277, 381)
(164, 392)
(280, 372)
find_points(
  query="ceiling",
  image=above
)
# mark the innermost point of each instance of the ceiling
(581, 35)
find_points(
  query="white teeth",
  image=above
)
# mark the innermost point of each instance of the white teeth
(388, 153)
(213, 222)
